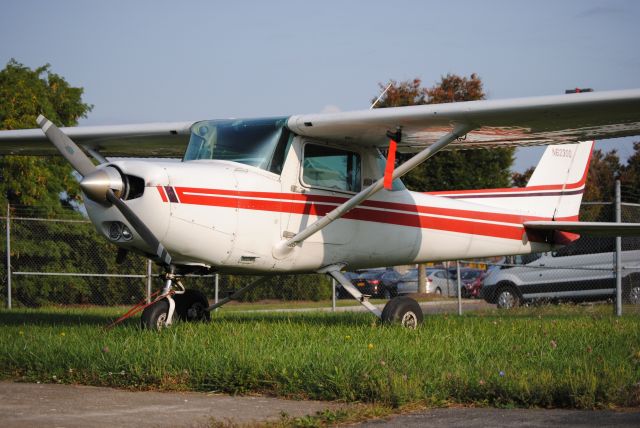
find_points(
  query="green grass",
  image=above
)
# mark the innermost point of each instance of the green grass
(308, 304)
(570, 357)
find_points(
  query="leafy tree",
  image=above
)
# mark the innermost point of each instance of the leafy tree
(456, 169)
(24, 94)
(630, 176)
(521, 180)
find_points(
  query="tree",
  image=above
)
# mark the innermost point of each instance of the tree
(630, 176)
(456, 169)
(46, 184)
(521, 180)
(24, 94)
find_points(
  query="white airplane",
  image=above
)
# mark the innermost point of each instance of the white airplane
(313, 193)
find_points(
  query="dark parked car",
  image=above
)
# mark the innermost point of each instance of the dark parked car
(471, 281)
(377, 282)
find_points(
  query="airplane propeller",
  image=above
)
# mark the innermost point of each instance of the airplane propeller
(102, 185)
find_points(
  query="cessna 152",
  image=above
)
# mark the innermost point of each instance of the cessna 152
(313, 193)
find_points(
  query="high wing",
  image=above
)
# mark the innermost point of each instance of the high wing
(142, 140)
(520, 122)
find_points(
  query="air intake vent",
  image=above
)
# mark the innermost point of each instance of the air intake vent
(135, 187)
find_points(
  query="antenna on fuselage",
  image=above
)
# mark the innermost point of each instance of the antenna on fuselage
(380, 97)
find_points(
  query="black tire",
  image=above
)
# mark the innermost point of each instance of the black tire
(404, 311)
(387, 294)
(154, 316)
(631, 289)
(507, 298)
(191, 305)
(632, 295)
(438, 291)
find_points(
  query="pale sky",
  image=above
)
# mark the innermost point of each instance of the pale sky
(148, 61)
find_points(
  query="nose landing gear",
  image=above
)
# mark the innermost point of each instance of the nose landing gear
(188, 305)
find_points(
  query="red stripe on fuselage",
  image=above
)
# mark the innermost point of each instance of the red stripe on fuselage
(289, 200)
(470, 222)
(162, 194)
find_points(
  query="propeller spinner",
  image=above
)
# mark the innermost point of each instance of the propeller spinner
(102, 185)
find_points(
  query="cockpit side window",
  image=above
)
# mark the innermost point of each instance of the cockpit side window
(331, 168)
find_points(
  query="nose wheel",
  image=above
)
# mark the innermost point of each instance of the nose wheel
(154, 317)
(187, 305)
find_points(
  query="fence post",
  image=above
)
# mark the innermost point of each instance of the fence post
(8, 256)
(333, 294)
(149, 280)
(618, 252)
(217, 283)
(459, 281)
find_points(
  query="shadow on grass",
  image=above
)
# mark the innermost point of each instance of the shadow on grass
(104, 316)
(52, 318)
(307, 318)
(55, 317)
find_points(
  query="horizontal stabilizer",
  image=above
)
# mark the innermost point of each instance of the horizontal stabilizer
(587, 228)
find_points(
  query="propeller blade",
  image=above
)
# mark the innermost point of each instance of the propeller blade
(140, 227)
(98, 182)
(67, 148)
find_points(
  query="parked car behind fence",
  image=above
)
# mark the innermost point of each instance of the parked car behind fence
(374, 282)
(440, 281)
(582, 271)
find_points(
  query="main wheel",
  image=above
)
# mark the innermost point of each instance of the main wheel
(154, 316)
(507, 298)
(438, 291)
(404, 311)
(191, 305)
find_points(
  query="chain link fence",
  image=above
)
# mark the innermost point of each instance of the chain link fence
(583, 272)
(56, 257)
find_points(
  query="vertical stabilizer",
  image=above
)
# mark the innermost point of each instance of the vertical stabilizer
(554, 190)
(562, 172)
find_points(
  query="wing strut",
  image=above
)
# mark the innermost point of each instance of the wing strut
(284, 247)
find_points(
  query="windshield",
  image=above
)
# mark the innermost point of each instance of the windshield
(251, 142)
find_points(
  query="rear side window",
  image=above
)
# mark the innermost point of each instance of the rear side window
(331, 168)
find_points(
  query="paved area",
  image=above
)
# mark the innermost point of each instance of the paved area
(29, 405)
(522, 418)
(39, 405)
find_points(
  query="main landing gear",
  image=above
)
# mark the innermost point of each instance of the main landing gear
(192, 305)
(400, 310)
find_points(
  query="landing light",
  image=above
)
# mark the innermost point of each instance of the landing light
(115, 231)
(118, 231)
(126, 233)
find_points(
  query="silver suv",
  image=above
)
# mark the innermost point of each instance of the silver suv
(582, 271)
